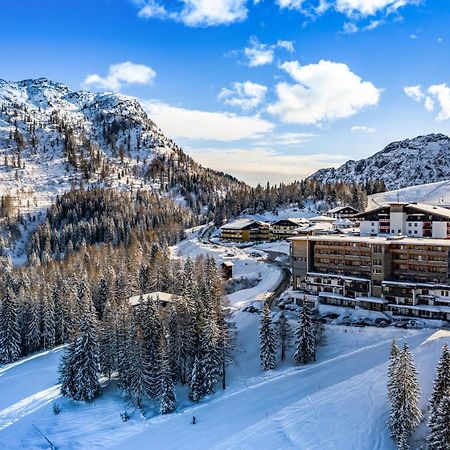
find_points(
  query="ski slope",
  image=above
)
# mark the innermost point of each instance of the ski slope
(339, 402)
(432, 193)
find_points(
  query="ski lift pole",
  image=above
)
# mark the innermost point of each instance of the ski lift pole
(52, 446)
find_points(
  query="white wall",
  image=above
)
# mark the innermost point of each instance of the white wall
(439, 229)
(366, 228)
(398, 222)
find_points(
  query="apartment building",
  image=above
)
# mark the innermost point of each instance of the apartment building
(285, 228)
(397, 275)
(342, 212)
(409, 219)
(245, 230)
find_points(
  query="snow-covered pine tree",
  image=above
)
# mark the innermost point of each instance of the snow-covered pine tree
(284, 333)
(196, 385)
(405, 413)
(9, 328)
(166, 384)
(47, 320)
(439, 438)
(392, 375)
(80, 367)
(268, 347)
(441, 386)
(139, 370)
(306, 342)
(33, 327)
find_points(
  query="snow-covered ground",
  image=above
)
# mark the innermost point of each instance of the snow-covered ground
(243, 266)
(433, 193)
(339, 402)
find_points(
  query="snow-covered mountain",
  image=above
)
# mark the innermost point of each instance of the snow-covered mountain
(52, 138)
(424, 159)
(432, 193)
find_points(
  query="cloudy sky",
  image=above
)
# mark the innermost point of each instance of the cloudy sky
(263, 89)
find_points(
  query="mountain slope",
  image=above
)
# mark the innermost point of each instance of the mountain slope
(52, 138)
(433, 193)
(424, 159)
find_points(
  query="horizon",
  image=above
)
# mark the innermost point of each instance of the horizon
(296, 86)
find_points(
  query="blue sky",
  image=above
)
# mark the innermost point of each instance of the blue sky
(266, 90)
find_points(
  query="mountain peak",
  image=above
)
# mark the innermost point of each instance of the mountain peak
(423, 159)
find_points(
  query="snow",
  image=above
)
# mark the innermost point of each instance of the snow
(338, 402)
(431, 193)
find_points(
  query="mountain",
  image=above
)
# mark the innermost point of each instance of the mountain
(53, 138)
(424, 159)
(433, 193)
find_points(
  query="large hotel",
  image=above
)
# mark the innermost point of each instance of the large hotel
(399, 263)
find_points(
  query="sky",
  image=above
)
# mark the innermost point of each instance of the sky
(267, 90)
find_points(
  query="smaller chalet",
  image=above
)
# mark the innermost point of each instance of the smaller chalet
(227, 270)
(161, 298)
(342, 212)
(245, 230)
(285, 228)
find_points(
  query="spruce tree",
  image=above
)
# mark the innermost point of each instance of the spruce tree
(284, 332)
(80, 367)
(306, 342)
(267, 340)
(9, 328)
(405, 414)
(392, 374)
(167, 386)
(441, 384)
(439, 438)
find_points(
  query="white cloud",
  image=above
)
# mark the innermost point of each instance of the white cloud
(287, 45)
(120, 74)
(258, 54)
(370, 7)
(196, 13)
(414, 92)
(179, 122)
(259, 165)
(245, 95)
(414, 36)
(285, 139)
(437, 94)
(362, 129)
(325, 91)
(441, 93)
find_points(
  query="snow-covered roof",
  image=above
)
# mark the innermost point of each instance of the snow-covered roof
(320, 226)
(343, 223)
(322, 219)
(153, 296)
(338, 209)
(431, 308)
(239, 224)
(294, 220)
(377, 240)
(227, 264)
(379, 300)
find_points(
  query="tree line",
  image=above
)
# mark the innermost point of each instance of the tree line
(404, 397)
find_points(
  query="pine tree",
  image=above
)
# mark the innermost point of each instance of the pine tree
(80, 367)
(33, 327)
(9, 329)
(284, 332)
(167, 386)
(392, 374)
(267, 340)
(306, 342)
(405, 414)
(439, 438)
(441, 384)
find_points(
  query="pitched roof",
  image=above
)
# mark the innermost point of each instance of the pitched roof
(239, 224)
(340, 208)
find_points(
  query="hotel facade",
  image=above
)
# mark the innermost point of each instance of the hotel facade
(398, 275)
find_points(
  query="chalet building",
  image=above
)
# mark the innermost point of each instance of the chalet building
(342, 212)
(400, 276)
(160, 298)
(285, 228)
(408, 219)
(226, 269)
(245, 230)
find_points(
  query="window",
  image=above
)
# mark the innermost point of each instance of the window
(415, 231)
(415, 224)
(399, 231)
